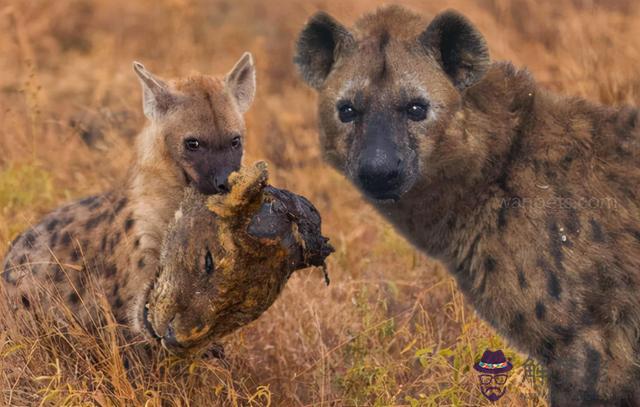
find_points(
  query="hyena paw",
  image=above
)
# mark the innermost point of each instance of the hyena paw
(216, 351)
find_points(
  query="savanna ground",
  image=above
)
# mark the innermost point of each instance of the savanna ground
(390, 329)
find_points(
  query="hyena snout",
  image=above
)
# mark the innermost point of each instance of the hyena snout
(221, 183)
(169, 338)
(380, 173)
(182, 332)
(216, 182)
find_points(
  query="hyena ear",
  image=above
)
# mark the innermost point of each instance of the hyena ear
(241, 81)
(156, 96)
(319, 45)
(458, 46)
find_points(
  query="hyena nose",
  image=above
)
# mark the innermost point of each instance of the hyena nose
(380, 173)
(221, 184)
(169, 337)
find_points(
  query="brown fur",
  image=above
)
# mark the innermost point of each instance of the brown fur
(226, 258)
(530, 199)
(115, 238)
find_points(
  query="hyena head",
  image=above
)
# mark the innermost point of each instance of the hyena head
(205, 290)
(196, 122)
(388, 91)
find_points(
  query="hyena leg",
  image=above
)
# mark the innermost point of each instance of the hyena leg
(582, 375)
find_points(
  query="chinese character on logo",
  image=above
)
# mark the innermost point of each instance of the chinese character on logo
(535, 375)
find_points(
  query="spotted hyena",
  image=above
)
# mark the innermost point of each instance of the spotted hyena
(530, 199)
(194, 136)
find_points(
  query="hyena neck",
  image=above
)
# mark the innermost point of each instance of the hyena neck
(444, 215)
(156, 188)
(156, 179)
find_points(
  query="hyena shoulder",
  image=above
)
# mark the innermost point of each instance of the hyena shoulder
(72, 245)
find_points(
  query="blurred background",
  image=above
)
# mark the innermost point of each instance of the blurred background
(392, 328)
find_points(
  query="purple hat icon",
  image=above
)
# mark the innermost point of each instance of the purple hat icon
(493, 363)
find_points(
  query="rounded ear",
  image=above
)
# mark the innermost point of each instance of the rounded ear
(319, 44)
(458, 46)
(241, 81)
(156, 95)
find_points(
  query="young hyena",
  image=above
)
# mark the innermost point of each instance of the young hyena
(530, 199)
(194, 137)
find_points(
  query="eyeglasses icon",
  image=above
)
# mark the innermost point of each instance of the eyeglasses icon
(488, 378)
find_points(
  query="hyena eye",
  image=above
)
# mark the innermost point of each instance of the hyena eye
(236, 142)
(208, 263)
(192, 144)
(417, 111)
(347, 113)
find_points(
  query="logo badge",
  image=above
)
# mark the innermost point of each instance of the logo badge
(493, 370)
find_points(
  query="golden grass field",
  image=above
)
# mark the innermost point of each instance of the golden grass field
(391, 329)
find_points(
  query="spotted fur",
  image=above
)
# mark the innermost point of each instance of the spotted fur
(115, 238)
(529, 198)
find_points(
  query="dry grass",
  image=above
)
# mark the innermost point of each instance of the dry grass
(391, 328)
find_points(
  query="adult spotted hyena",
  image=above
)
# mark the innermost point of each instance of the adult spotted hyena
(194, 136)
(530, 199)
